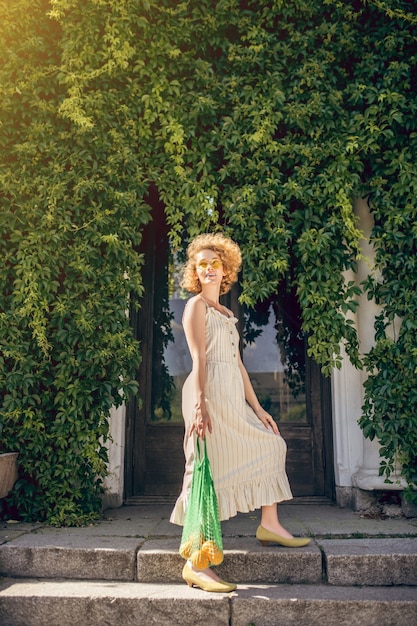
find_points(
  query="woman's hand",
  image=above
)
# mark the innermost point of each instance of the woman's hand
(267, 420)
(201, 422)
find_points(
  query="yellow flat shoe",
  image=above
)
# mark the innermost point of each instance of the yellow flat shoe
(266, 537)
(191, 578)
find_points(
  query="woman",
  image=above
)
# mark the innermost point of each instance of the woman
(245, 448)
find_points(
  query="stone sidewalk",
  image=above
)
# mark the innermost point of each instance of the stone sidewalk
(151, 520)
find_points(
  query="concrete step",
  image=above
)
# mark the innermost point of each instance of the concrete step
(370, 561)
(88, 603)
(388, 561)
(245, 561)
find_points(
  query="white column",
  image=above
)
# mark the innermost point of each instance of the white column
(357, 459)
(114, 482)
(348, 440)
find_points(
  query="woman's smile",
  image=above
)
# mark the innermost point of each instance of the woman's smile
(209, 266)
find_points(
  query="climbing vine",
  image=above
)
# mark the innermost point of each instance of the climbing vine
(265, 119)
(69, 217)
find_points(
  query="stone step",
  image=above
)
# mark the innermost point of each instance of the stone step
(245, 561)
(352, 561)
(370, 561)
(88, 603)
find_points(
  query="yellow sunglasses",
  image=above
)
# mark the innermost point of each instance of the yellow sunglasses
(215, 264)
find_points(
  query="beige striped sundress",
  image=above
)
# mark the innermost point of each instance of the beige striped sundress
(247, 460)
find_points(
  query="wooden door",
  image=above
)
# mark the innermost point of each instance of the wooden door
(154, 435)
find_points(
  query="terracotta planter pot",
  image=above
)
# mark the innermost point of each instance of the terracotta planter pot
(8, 472)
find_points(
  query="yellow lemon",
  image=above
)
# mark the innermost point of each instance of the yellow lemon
(194, 542)
(185, 549)
(213, 552)
(200, 559)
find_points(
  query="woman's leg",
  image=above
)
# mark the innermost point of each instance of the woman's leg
(205, 574)
(270, 521)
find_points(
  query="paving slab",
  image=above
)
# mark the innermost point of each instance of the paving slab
(57, 603)
(152, 520)
(131, 519)
(320, 605)
(245, 524)
(311, 520)
(371, 561)
(331, 520)
(66, 555)
(245, 560)
(143, 521)
(12, 529)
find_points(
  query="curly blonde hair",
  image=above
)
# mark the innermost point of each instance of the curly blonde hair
(229, 254)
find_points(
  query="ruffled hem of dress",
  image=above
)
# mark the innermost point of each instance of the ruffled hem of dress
(178, 513)
(242, 498)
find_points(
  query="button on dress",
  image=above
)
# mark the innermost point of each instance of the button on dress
(247, 460)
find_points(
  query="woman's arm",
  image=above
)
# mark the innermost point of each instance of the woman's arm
(251, 398)
(194, 323)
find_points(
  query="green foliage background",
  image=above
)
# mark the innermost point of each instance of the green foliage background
(264, 118)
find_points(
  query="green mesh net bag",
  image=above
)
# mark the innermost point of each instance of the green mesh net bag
(201, 540)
